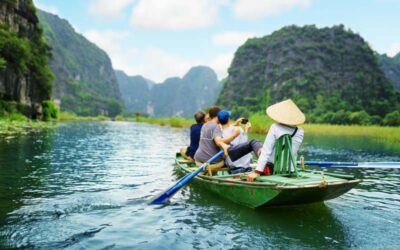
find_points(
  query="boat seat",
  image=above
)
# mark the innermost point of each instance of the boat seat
(212, 168)
(284, 161)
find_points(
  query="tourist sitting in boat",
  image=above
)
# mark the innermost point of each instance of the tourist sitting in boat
(242, 164)
(211, 139)
(288, 116)
(188, 152)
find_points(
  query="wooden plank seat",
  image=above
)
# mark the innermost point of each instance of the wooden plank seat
(213, 168)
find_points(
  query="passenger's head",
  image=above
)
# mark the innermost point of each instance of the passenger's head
(213, 111)
(200, 116)
(224, 116)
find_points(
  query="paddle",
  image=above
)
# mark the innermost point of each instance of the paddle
(352, 164)
(166, 195)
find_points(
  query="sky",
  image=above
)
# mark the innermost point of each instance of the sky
(165, 38)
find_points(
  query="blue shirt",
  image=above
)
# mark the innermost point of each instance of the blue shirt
(194, 139)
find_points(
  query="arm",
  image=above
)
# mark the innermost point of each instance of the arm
(263, 157)
(228, 139)
(266, 150)
(219, 141)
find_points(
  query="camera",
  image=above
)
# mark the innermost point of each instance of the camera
(245, 120)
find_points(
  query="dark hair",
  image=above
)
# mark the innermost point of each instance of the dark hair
(199, 116)
(213, 111)
(223, 122)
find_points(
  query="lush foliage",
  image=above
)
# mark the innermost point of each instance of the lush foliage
(50, 111)
(85, 84)
(261, 124)
(26, 55)
(68, 116)
(331, 73)
(84, 103)
(2, 63)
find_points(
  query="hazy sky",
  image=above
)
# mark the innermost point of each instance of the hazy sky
(164, 38)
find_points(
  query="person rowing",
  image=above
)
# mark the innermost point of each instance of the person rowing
(287, 116)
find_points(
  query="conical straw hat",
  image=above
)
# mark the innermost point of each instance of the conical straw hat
(287, 113)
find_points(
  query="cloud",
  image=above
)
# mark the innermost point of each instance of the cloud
(231, 38)
(175, 14)
(151, 62)
(256, 9)
(158, 64)
(108, 40)
(221, 63)
(48, 8)
(108, 9)
(394, 49)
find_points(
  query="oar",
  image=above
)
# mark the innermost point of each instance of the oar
(352, 164)
(166, 195)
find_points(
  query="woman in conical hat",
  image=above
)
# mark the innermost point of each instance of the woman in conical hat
(287, 116)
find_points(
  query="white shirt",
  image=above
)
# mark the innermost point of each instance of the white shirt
(277, 130)
(242, 137)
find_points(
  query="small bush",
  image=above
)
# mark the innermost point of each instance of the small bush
(119, 118)
(68, 116)
(392, 119)
(50, 111)
(15, 116)
(361, 118)
(2, 63)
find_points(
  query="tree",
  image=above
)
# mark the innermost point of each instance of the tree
(392, 119)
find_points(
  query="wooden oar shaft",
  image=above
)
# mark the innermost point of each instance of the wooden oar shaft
(165, 196)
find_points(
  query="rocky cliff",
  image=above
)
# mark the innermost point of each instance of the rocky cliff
(85, 82)
(391, 67)
(198, 89)
(331, 73)
(25, 79)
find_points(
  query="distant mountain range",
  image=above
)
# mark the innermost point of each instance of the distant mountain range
(176, 96)
(331, 73)
(85, 81)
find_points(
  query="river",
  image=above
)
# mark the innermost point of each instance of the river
(84, 185)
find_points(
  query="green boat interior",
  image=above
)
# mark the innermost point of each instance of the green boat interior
(302, 177)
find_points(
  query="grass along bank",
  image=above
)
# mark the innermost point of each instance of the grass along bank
(261, 123)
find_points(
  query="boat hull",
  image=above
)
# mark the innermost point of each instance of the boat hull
(272, 190)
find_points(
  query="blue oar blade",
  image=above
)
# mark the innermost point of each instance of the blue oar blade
(166, 195)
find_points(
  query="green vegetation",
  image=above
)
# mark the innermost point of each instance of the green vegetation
(261, 123)
(68, 116)
(26, 55)
(331, 73)
(85, 84)
(50, 111)
(84, 103)
(2, 63)
(176, 122)
(19, 124)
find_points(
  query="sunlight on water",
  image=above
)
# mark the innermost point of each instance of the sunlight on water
(85, 185)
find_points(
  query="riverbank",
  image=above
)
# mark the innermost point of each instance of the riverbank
(9, 127)
(261, 124)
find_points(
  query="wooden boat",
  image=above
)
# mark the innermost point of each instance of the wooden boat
(273, 190)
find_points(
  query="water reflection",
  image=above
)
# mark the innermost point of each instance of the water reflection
(23, 166)
(305, 226)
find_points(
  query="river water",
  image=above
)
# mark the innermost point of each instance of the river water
(84, 185)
